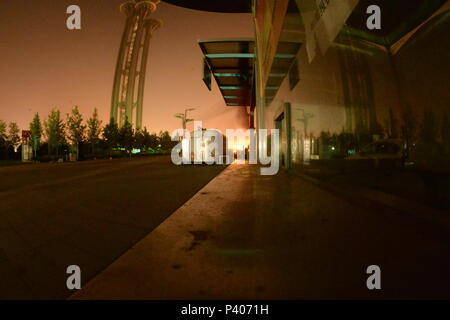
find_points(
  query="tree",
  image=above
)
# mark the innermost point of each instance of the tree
(111, 135)
(3, 135)
(126, 136)
(94, 129)
(165, 140)
(152, 140)
(13, 135)
(149, 140)
(146, 139)
(139, 139)
(36, 133)
(3, 130)
(54, 131)
(75, 128)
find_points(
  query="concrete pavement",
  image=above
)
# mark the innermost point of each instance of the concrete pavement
(86, 213)
(246, 236)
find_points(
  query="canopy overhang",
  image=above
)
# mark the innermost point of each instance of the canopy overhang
(231, 63)
(226, 6)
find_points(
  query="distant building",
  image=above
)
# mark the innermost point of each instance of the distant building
(27, 150)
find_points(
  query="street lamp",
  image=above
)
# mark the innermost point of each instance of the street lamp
(186, 120)
(183, 117)
(306, 117)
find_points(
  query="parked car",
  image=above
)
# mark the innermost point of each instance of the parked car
(384, 153)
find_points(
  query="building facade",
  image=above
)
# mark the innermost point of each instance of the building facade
(349, 85)
(336, 75)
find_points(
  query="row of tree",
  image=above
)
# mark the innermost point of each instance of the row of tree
(9, 138)
(127, 138)
(427, 135)
(74, 135)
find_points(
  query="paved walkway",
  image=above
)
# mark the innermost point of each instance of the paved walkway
(250, 236)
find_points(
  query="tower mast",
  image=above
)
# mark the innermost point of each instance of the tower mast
(129, 79)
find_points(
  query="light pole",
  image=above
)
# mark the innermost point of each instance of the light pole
(183, 117)
(306, 117)
(305, 120)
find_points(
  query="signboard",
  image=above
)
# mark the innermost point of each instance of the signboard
(323, 21)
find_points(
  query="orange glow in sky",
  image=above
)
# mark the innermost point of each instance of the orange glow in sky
(44, 65)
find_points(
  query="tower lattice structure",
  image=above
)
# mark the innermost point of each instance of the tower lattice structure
(129, 79)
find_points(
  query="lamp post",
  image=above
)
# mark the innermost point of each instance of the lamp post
(306, 117)
(186, 120)
(183, 117)
(310, 141)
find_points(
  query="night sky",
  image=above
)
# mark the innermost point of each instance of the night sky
(44, 65)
